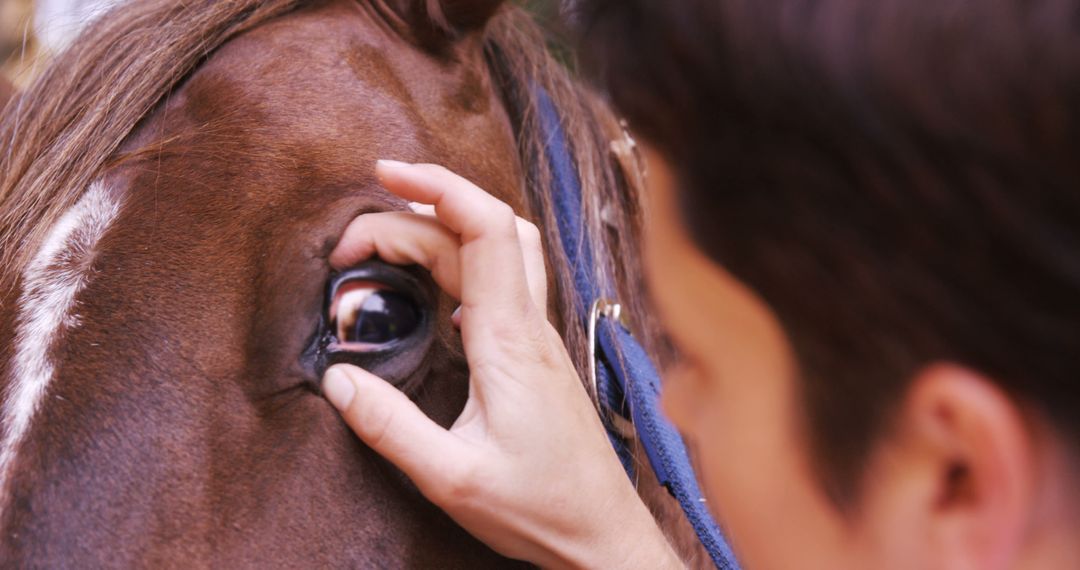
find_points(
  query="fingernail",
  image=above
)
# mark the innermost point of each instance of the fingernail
(455, 317)
(393, 164)
(338, 388)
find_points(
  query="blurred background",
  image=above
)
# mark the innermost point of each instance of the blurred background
(30, 30)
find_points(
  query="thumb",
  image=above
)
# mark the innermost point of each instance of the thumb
(389, 422)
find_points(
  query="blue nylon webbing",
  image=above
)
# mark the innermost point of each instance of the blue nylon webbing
(626, 377)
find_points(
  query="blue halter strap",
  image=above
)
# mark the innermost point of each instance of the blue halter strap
(627, 383)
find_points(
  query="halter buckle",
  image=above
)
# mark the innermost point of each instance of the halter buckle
(600, 308)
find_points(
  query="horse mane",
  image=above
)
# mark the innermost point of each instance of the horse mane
(610, 174)
(612, 182)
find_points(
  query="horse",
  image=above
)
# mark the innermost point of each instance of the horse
(7, 90)
(171, 188)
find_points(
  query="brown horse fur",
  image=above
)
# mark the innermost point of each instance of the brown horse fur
(180, 427)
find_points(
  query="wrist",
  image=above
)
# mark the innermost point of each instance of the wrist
(624, 536)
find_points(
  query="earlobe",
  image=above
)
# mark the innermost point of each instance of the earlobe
(972, 448)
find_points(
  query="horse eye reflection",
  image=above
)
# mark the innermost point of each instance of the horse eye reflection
(366, 316)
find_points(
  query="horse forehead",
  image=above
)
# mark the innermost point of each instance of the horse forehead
(336, 84)
(317, 70)
(285, 77)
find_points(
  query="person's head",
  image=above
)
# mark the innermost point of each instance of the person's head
(865, 242)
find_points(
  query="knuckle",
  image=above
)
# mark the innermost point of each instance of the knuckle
(502, 213)
(515, 353)
(500, 218)
(530, 234)
(377, 423)
(458, 485)
(530, 340)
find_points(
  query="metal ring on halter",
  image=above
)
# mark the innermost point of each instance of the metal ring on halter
(600, 308)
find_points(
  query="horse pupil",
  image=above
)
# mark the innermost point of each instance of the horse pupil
(385, 316)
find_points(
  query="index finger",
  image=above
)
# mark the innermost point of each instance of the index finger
(494, 287)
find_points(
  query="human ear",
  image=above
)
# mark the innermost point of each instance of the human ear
(952, 485)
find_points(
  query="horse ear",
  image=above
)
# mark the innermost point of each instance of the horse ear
(467, 15)
(437, 22)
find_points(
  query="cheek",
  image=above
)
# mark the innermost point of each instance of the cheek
(735, 402)
(741, 439)
(754, 475)
(735, 399)
(741, 445)
(682, 399)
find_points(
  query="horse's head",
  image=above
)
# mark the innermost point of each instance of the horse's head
(173, 308)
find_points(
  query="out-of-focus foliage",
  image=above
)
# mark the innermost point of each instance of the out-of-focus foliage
(547, 13)
(17, 45)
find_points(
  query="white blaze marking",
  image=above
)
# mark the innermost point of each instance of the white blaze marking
(51, 282)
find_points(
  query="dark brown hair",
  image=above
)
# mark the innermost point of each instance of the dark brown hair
(898, 179)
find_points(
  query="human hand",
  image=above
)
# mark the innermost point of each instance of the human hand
(527, 467)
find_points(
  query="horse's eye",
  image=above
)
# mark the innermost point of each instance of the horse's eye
(366, 316)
